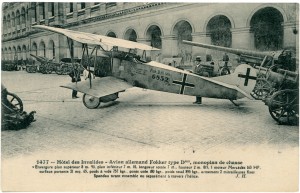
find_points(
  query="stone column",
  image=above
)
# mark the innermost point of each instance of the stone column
(204, 38)
(242, 38)
(62, 49)
(37, 13)
(290, 35)
(60, 13)
(169, 46)
(149, 54)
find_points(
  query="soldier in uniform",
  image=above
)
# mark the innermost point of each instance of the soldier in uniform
(198, 71)
(75, 75)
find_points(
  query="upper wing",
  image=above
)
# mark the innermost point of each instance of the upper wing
(94, 39)
(100, 86)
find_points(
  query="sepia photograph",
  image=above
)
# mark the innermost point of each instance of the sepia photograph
(150, 96)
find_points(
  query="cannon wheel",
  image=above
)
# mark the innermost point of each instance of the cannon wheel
(261, 89)
(31, 69)
(90, 102)
(15, 100)
(224, 71)
(284, 107)
(58, 70)
(48, 68)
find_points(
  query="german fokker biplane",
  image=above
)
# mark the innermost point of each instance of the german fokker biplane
(126, 69)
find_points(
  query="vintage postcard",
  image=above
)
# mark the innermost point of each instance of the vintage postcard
(150, 97)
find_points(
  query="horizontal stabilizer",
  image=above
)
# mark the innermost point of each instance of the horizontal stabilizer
(100, 86)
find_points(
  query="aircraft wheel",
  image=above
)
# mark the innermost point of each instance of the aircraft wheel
(284, 107)
(262, 89)
(90, 102)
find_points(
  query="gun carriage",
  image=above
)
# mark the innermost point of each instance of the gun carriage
(277, 82)
(283, 100)
(46, 66)
(13, 116)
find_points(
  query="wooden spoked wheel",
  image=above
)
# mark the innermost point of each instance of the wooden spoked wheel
(284, 107)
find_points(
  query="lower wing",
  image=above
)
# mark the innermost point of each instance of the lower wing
(100, 86)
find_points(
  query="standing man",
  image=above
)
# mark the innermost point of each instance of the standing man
(198, 71)
(225, 59)
(75, 75)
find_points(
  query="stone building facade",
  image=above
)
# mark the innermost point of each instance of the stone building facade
(255, 26)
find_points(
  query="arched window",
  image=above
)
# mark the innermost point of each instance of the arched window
(42, 49)
(154, 36)
(34, 49)
(266, 24)
(51, 9)
(71, 7)
(4, 22)
(51, 49)
(18, 17)
(131, 35)
(42, 10)
(8, 21)
(219, 29)
(183, 31)
(13, 23)
(111, 34)
(23, 16)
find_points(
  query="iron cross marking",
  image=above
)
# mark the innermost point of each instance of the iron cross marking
(247, 77)
(183, 83)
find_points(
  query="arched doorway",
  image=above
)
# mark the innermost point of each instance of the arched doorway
(51, 49)
(24, 52)
(130, 35)
(42, 49)
(154, 36)
(267, 29)
(19, 53)
(34, 49)
(111, 34)
(9, 54)
(219, 29)
(183, 31)
(5, 54)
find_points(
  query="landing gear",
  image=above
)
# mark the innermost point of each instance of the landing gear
(90, 102)
(93, 102)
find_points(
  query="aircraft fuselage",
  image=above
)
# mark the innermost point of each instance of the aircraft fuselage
(160, 77)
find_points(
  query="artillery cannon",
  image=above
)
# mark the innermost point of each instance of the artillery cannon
(13, 117)
(262, 61)
(277, 82)
(283, 101)
(47, 66)
(282, 59)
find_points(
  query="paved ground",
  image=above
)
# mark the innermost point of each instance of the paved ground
(139, 119)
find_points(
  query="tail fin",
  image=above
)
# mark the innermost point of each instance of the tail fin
(244, 77)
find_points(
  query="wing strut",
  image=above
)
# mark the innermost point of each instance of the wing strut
(70, 44)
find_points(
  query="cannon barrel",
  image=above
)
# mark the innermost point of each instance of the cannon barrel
(281, 75)
(231, 50)
(39, 58)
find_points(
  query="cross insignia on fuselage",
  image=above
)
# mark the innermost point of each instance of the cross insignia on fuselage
(183, 83)
(247, 77)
